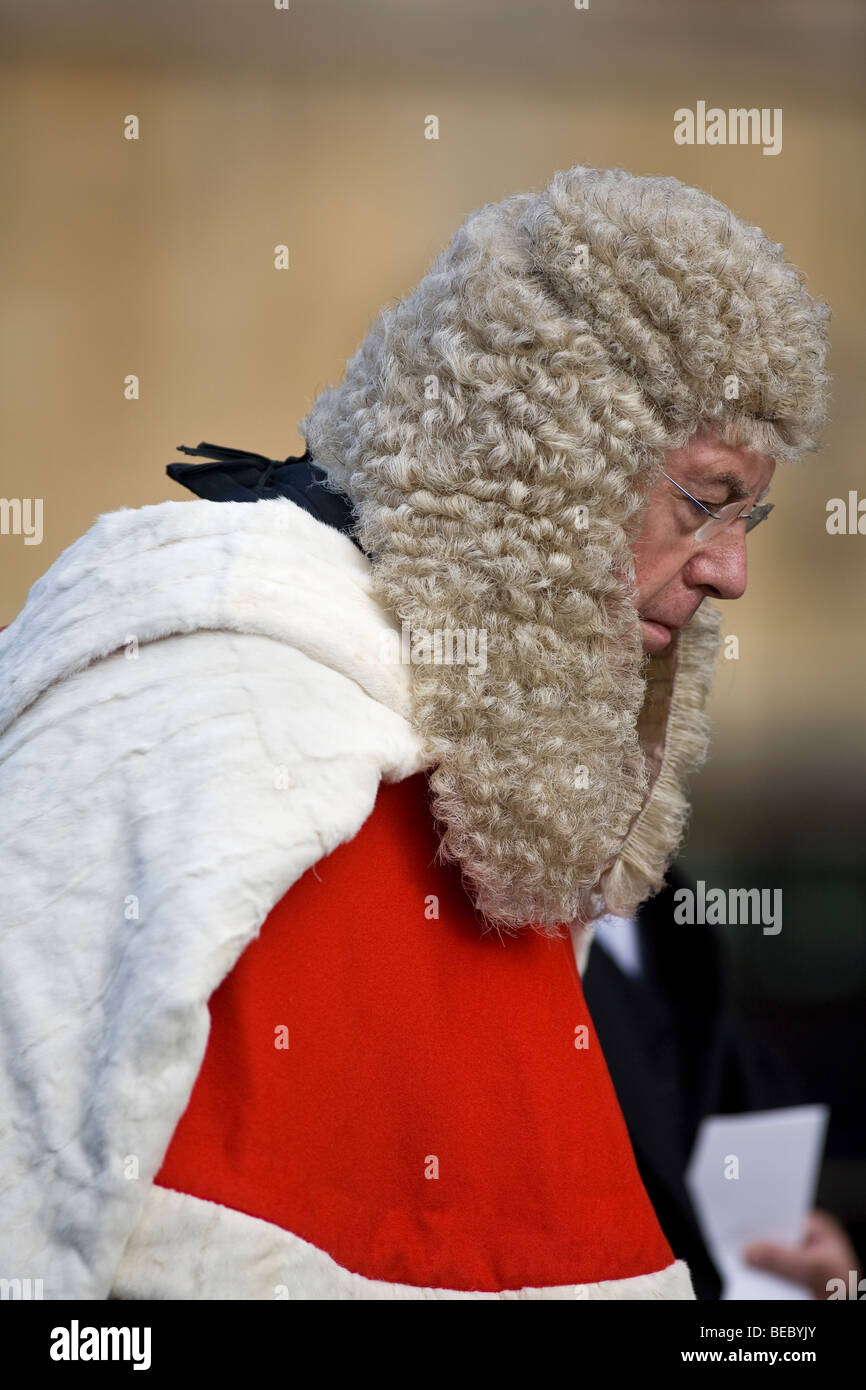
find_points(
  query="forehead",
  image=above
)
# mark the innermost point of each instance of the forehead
(708, 458)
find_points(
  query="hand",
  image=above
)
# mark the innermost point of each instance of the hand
(825, 1253)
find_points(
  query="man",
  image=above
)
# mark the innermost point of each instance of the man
(272, 1030)
(660, 999)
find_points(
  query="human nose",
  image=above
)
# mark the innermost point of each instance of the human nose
(719, 565)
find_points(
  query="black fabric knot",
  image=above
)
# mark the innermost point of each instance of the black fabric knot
(237, 475)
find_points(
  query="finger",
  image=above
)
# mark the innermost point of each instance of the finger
(789, 1261)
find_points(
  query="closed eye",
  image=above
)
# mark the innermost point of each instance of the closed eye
(698, 502)
(717, 506)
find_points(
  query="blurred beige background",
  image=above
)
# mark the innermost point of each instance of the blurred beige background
(306, 126)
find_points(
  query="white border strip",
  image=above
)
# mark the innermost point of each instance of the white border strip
(188, 1248)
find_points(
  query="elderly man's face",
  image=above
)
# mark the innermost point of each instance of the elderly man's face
(674, 573)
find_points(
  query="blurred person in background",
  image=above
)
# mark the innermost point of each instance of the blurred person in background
(678, 1051)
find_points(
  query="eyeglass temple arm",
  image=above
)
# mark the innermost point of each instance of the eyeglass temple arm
(689, 495)
(755, 514)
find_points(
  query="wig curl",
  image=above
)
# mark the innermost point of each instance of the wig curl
(497, 433)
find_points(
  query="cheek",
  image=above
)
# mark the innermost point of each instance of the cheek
(645, 577)
(647, 553)
(656, 564)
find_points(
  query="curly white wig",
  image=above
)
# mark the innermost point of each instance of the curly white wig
(555, 350)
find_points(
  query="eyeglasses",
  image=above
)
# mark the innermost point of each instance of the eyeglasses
(725, 516)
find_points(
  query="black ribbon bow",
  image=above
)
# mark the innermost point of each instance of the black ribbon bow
(241, 476)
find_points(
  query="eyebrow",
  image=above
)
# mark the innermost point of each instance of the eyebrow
(736, 489)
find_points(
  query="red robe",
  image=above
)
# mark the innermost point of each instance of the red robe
(426, 1103)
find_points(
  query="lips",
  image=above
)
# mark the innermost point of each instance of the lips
(671, 625)
(659, 632)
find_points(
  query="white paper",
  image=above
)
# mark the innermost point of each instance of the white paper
(775, 1155)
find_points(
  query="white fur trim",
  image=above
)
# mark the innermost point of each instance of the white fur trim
(188, 1248)
(149, 784)
(268, 568)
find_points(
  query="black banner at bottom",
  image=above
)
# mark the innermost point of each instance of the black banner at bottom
(412, 1340)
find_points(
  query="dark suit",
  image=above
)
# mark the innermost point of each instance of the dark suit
(676, 1053)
